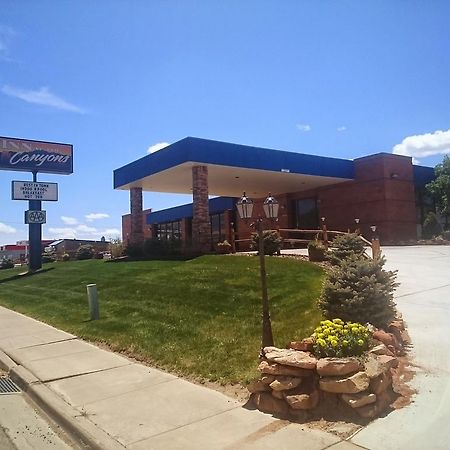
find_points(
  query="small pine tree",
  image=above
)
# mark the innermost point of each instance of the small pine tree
(346, 246)
(360, 290)
(431, 226)
(85, 252)
(272, 242)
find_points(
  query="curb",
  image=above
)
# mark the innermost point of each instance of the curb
(83, 432)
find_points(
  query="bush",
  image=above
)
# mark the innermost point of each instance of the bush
(6, 263)
(337, 338)
(223, 247)
(134, 250)
(85, 252)
(155, 247)
(116, 248)
(272, 242)
(359, 290)
(317, 251)
(431, 226)
(48, 258)
(65, 257)
(345, 246)
(446, 235)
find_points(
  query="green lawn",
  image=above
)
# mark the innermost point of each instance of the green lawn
(199, 318)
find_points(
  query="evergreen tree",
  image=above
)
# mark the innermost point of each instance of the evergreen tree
(439, 189)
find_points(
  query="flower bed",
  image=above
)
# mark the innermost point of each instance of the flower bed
(296, 384)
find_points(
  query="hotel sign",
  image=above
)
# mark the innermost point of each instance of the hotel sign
(31, 190)
(35, 156)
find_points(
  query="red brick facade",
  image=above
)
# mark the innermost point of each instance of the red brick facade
(201, 224)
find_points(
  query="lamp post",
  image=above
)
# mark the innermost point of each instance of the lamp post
(357, 230)
(245, 210)
(324, 233)
(375, 243)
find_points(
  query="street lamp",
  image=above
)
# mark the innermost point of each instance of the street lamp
(245, 210)
(357, 230)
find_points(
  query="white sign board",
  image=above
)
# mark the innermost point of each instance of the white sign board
(30, 190)
(35, 217)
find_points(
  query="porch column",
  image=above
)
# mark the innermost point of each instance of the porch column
(136, 222)
(201, 224)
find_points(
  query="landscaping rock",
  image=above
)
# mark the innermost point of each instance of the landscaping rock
(303, 401)
(387, 339)
(374, 367)
(290, 357)
(278, 369)
(380, 384)
(345, 385)
(338, 366)
(257, 386)
(267, 403)
(305, 345)
(284, 383)
(381, 349)
(374, 409)
(359, 400)
(388, 361)
(267, 379)
(278, 394)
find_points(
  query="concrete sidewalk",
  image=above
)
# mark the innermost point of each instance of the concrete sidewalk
(109, 402)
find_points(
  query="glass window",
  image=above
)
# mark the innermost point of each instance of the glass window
(306, 214)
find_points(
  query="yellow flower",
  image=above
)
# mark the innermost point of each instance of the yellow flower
(321, 342)
(320, 335)
(360, 342)
(334, 343)
(345, 342)
(345, 331)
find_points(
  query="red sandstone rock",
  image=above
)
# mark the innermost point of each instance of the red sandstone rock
(278, 394)
(257, 386)
(345, 385)
(381, 349)
(387, 339)
(290, 357)
(284, 383)
(278, 369)
(303, 401)
(388, 361)
(305, 345)
(267, 403)
(360, 399)
(380, 384)
(337, 366)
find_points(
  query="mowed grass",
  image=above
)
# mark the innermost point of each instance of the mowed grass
(199, 318)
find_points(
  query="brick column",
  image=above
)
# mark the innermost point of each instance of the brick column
(136, 228)
(201, 224)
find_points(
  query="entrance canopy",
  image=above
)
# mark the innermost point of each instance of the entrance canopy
(232, 169)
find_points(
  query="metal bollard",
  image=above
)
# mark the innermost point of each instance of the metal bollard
(93, 301)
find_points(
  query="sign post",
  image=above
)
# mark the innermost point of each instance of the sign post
(35, 156)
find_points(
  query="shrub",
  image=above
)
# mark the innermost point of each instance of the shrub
(85, 252)
(6, 263)
(223, 247)
(345, 246)
(65, 257)
(134, 250)
(272, 242)
(431, 226)
(337, 338)
(48, 258)
(317, 251)
(359, 290)
(98, 255)
(155, 247)
(446, 235)
(116, 248)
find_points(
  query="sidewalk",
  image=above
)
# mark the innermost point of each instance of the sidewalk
(109, 402)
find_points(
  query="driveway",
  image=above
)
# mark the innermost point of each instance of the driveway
(424, 300)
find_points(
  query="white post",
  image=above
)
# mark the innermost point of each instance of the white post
(93, 301)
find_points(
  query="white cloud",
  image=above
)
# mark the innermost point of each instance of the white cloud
(303, 127)
(111, 233)
(158, 146)
(86, 229)
(42, 96)
(69, 220)
(62, 233)
(6, 229)
(96, 216)
(341, 129)
(423, 145)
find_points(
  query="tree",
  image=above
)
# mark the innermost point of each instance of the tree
(439, 189)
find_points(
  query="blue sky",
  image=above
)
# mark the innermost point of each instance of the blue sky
(337, 78)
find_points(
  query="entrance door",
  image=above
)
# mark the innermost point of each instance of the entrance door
(306, 214)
